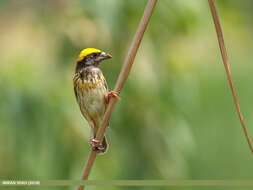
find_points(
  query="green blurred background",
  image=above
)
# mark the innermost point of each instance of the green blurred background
(176, 118)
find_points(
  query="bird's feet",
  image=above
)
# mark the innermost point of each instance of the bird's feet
(113, 94)
(94, 144)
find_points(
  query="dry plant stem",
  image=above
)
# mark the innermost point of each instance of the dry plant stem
(120, 82)
(127, 64)
(227, 68)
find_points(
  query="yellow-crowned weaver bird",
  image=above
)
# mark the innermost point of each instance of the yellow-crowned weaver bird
(91, 92)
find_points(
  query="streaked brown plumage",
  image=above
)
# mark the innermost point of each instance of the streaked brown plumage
(92, 92)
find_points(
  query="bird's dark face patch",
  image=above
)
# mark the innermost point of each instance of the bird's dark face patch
(89, 60)
(92, 60)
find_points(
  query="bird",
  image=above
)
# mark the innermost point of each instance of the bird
(91, 92)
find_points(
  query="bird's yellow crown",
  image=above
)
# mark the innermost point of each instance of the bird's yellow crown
(86, 52)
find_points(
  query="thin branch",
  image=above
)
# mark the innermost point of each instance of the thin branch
(227, 68)
(120, 82)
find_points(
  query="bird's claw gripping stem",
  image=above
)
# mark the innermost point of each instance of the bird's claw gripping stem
(113, 94)
(94, 144)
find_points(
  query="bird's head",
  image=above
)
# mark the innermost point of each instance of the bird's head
(91, 57)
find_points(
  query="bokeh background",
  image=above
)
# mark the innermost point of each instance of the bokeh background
(176, 118)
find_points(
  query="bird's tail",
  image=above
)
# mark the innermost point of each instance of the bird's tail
(103, 147)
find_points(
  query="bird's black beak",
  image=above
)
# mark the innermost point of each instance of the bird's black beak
(103, 56)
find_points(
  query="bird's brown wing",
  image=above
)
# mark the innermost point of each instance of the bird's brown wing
(83, 110)
(79, 98)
